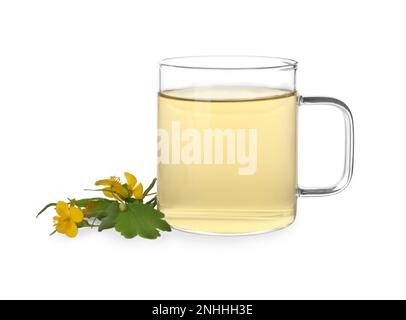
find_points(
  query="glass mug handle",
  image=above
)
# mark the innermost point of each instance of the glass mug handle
(349, 148)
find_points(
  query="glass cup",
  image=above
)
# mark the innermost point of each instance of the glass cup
(227, 143)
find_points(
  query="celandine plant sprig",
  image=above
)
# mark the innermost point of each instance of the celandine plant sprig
(124, 209)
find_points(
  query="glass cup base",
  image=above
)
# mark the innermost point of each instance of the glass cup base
(231, 226)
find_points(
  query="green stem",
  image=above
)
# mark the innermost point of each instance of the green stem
(110, 191)
(91, 199)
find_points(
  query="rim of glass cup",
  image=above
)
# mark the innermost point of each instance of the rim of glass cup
(229, 62)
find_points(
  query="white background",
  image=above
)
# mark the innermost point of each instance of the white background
(78, 82)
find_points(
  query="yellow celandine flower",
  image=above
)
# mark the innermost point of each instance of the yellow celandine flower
(137, 190)
(67, 219)
(114, 188)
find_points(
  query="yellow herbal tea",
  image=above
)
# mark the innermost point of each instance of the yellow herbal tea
(227, 158)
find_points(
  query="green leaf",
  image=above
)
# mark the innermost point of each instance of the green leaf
(46, 207)
(104, 210)
(141, 219)
(84, 224)
(110, 214)
(100, 209)
(84, 202)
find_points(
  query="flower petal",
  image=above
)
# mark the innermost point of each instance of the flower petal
(138, 192)
(76, 214)
(120, 191)
(107, 193)
(62, 209)
(62, 227)
(71, 229)
(131, 180)
(104, 182)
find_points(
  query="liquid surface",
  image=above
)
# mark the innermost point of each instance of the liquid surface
(224, 192)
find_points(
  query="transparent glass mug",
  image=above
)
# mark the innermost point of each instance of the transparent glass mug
(227, 143)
